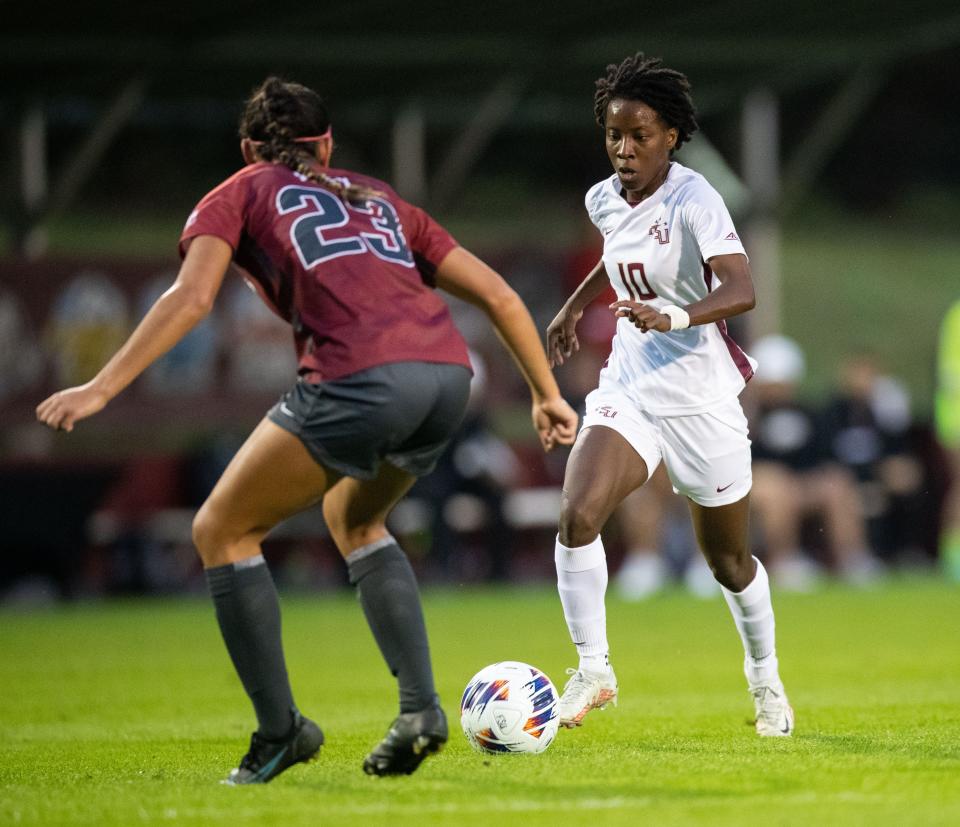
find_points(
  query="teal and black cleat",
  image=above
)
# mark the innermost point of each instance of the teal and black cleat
(411, 738)
(267, 759)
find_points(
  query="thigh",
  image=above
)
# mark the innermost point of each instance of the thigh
(270, 478)
(609, 407)
(722, 530)
(602, 470)
(616, 451)
(356, 510)
(641, 514)
(723, 534)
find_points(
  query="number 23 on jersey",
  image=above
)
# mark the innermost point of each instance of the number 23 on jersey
(323, 211)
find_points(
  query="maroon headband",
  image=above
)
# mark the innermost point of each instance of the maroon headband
(306, 140)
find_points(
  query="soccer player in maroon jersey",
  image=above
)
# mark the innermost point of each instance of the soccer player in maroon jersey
(384, 378)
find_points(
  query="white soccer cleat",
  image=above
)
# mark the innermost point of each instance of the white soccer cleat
(583, 692)
(774, 714)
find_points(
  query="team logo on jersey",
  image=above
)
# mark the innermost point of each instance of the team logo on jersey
(731, 237)
(661, 230)
(607, 411)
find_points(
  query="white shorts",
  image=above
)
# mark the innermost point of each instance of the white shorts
(707, 455)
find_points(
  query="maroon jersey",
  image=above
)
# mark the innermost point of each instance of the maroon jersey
(354, 281)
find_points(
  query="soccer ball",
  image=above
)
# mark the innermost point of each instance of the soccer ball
(509, 707)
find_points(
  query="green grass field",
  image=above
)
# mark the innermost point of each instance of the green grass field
(129, 713)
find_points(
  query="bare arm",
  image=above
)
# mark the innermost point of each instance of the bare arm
(734, 296)
(562, 339)
(593, 284)
(170, 318)
(467, 277)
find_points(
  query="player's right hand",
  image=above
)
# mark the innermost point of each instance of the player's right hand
(562, 336)
(555, 422)
(69, 406)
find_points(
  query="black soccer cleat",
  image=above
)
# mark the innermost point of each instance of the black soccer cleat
(411, 738)
(267, 758)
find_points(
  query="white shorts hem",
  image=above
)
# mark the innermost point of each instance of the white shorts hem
(729, 497)
(651, 458)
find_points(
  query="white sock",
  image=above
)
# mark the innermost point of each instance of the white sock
(582, 583)
(753, 613)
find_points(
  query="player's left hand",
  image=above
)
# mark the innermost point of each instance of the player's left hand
(69, 406)
(641, 316)
(555, 422)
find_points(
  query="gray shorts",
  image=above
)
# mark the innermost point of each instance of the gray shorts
(403, 412)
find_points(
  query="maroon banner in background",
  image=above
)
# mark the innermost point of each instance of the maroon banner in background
(61, 320)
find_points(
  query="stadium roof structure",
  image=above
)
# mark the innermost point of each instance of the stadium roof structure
(374, 53)
(470, 68)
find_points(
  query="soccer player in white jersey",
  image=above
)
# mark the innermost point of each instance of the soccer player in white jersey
(668, 392)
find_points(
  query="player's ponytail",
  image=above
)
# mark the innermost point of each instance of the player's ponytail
(276, 115)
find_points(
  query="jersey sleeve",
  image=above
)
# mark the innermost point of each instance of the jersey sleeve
(708, 218)
(593, 201)
(219, 213)
(429, 242)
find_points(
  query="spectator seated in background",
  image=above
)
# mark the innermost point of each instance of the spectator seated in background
(793, 480)
(867, 427)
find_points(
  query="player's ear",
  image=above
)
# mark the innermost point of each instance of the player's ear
(672, 134)
(248, 151)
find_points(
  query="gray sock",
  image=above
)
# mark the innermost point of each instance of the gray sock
(248, 612)
(391, 602)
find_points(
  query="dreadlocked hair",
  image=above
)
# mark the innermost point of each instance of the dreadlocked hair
(276, 114)
(642, 78)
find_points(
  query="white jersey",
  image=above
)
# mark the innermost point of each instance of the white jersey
(655, 252)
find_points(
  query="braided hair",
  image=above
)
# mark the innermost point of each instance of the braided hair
(645, 79)
(275, 115)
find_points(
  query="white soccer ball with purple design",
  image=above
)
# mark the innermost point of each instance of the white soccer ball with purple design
(509, 707)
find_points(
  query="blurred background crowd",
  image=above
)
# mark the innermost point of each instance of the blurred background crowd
(842, 177)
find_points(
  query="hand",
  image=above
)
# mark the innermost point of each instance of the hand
(561, 336)
(642, 316)
(66, 407)
(555, 422)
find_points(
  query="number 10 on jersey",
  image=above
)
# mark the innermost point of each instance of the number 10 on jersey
(629, 274)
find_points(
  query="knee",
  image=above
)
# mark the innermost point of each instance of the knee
(733, 571)
(209, 536)
(579, 524)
